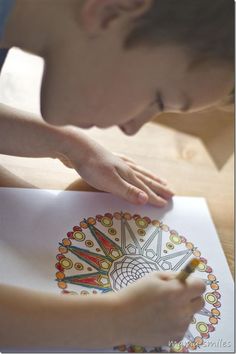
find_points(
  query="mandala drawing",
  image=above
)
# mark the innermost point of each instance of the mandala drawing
(108, 252)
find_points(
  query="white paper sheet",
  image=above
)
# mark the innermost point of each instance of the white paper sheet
(34, 222)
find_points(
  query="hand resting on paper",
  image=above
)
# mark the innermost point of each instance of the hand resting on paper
(111, 173)
(32, 137)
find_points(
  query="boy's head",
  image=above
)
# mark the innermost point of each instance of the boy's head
(138, 58)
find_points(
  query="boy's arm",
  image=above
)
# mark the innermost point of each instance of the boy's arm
(35, 320)
(22, 134)
(151, 311)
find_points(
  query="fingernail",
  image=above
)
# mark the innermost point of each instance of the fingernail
(142, 197)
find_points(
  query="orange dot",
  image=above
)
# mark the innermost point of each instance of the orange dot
(62, 285)
(156, 222)
(213, 320)
(198, 340)
(192, 346)
(60, 275)
(127, 216)
(215, 286)
(83, 225)
(211, 277)
(117, 216)
(197, 253)
(66, 242)
(189, 245)
(215, 312)
(91, 221)
(63, 249)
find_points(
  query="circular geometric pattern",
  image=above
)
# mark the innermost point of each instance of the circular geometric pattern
(106, 263)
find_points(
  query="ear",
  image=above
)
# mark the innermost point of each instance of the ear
(97, 15)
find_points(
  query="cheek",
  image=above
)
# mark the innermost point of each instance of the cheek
(210, 88)
(120, 103)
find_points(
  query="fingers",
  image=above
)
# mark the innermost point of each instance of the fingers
(195, 287)
(153, 198)
(129, 192)
(137, 168)
(145, 172)
(197, 304)
(166, 275)
(156, 187)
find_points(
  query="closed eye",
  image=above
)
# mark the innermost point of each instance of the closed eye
(159, 101)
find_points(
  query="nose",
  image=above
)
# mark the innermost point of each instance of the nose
(131, 127)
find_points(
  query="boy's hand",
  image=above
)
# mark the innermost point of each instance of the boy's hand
(157, 309)
(110, 173)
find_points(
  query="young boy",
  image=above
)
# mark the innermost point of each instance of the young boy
(111, 62)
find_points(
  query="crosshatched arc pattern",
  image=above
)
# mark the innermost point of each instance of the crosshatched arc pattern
(128, 270)
(108, 252)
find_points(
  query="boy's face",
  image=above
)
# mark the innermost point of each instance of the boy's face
(130, 88)
(94, 81)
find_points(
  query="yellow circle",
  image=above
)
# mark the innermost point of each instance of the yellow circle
(89, 243)
(141, 232)
(79, 266)
(79, 236)
(201, 267)
(175, 239)
(177, 347)
(170, 245)
(202, 327)
(106, 221)
(66, 263)
(210, 298)
(112, 231)
(141, 223)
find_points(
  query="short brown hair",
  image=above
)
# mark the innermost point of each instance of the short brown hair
(204, 27)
